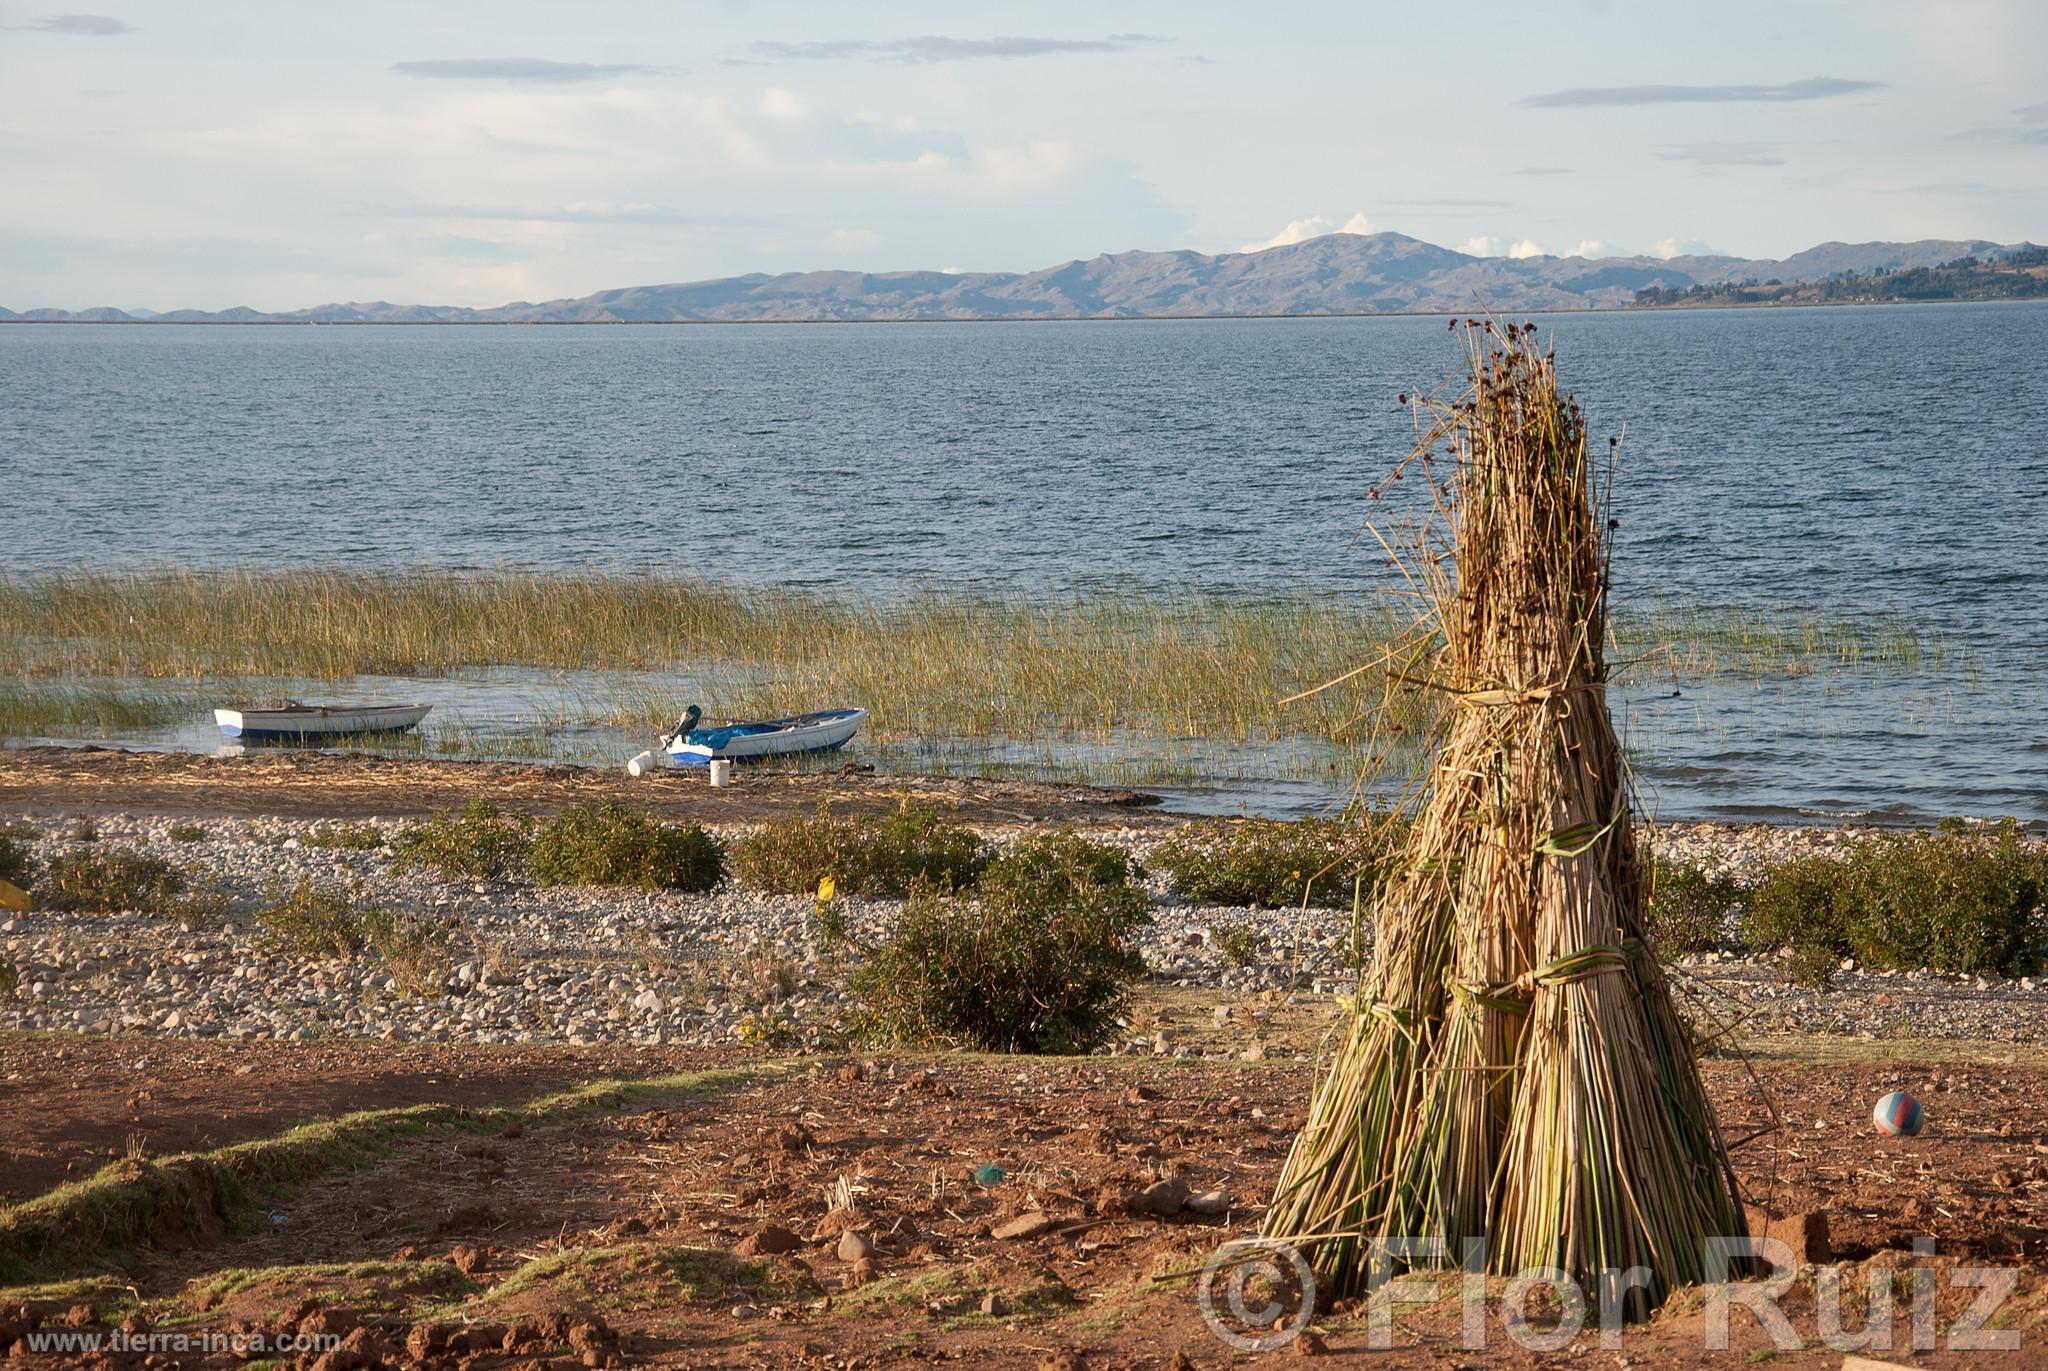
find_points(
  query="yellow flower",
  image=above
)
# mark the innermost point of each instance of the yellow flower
(827, 888)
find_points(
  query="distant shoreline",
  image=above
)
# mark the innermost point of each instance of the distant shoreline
(1000, 319)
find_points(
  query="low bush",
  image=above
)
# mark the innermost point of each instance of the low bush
(864, 856)
(1689, 909)
(606, 844)
(1057, 861)
(314, 921)
(1275, 863)
(1013, 967)
(1949, 901)
(1239, 943)
(110, 880)
(186, 833)
(352, 837)
(17, 859)
(330, 921)
(478, 844)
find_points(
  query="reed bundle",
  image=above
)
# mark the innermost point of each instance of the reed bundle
(1515, 1071)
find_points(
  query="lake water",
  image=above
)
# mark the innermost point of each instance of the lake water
(1857, 462)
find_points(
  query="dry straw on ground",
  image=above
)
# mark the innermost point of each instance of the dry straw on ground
(1515, 1071)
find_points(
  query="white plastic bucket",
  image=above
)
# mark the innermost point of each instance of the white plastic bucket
(721, 771)
(640, 765)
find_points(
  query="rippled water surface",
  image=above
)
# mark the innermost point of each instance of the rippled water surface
(1851, 462)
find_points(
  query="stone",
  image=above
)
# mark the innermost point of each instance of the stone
(1209, 1202)
(994, 1305)
(1028, 1225)
(855, 1246)
(1164, 1198)
(769, 1240)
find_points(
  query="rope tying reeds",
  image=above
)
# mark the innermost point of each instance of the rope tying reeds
(1514, 1069)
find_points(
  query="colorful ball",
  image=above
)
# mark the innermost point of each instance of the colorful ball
(1897, 1113)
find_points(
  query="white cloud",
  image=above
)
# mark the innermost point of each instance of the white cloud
(1487, 246)
(784, 105)
(855, 240)
(1315, 226)
(1681, 247)
(1592, 247)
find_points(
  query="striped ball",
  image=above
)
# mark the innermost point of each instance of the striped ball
(1896, 1113)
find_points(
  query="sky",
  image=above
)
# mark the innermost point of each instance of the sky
(175, 153)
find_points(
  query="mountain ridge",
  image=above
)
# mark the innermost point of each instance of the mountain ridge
(1339, 273)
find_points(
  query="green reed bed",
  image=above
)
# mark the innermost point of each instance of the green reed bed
(966, 665)
(79, 709)
(1016, 670)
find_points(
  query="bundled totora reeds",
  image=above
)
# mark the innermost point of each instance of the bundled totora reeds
(1515, 1071)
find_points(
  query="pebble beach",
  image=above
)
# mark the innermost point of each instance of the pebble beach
(606, 966)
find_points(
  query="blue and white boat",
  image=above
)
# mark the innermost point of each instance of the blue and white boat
(297, 723)
(688, 745)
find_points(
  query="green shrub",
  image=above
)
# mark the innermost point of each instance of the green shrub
(1273, 862)
(480, 843)
(17, 861)
(605, 844)
(1955, 903)
(329, 921)
(186, 833)
(865, 856)
(1059, 860)
(1689, 909)
(1941, 901)
(10, 980)
(1239, 943)
(353, 837)
(1014, 967)
(110, 880)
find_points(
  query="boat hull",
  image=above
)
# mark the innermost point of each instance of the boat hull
(316, 724)
(826, 731)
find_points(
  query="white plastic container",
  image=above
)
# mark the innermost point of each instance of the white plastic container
(721, 771)
(641, 765)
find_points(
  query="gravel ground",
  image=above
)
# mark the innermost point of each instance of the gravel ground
(609, 966)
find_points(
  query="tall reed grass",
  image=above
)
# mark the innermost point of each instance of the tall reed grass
(969, 665)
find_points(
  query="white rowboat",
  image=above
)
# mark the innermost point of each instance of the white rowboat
(311, 723)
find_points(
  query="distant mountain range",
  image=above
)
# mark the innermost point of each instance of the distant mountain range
(1343, 273)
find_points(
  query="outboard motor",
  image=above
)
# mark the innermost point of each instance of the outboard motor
(691, 717)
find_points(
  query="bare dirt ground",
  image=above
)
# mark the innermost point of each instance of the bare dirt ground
(709, 1230)
(317, 785)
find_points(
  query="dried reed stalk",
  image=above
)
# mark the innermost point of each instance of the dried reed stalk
(1515, 1070)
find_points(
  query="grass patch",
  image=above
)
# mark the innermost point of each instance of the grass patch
(329, 921)
(1275, 863)
(110, 880)
(85, 709)
(480, 843)
(668, 1273)
(186, 833)
(348, 837)
(607, 844)
(89, 1225)
(864, 856)
(1041, 958)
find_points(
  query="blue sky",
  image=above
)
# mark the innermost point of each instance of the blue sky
(176, 153)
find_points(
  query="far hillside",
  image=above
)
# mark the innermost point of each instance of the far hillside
(2020, 275)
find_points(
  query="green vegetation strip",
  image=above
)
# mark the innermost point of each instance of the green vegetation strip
(959, 665)
(84, 1226)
